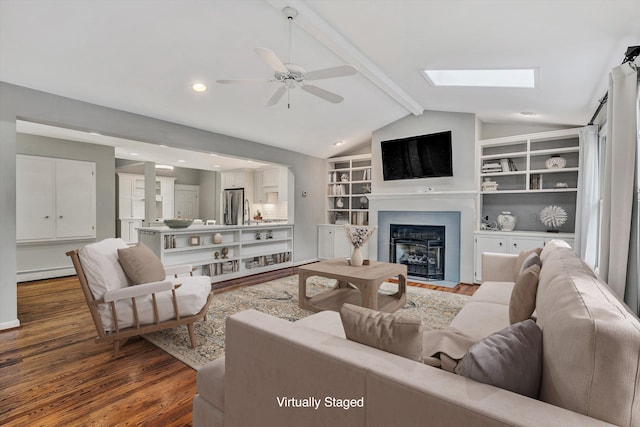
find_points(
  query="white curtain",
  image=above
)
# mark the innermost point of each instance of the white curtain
(588, 200)
(618, 189)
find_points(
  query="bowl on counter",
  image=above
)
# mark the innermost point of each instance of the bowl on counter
(178, 222)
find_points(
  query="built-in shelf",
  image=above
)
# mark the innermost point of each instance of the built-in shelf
(348, 187)
(246, 254)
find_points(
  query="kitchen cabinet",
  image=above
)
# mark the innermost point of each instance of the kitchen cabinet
(128, 229)
(271, 185)
(509, 242)
(55, 199)
(131, 196)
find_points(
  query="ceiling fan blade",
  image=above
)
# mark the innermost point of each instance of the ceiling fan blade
(324, 94)
(329, 73)
(271, 59)
(276, 96)
(244, 81)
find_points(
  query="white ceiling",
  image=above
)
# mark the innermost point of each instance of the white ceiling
(142, 56)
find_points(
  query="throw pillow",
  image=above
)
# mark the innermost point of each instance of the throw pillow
(510, 359)
(390, 332)
(141, 264)
(532, 259)
(521, 257)
(523, 295)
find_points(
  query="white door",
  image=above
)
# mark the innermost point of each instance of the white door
(187, 201)
(35, 192)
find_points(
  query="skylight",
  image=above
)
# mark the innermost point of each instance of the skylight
(523, 78)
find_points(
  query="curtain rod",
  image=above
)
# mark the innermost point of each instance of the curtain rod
(630, 55)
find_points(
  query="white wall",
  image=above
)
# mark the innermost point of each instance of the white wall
(463, 139)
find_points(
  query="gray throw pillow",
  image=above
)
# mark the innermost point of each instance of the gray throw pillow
(510, 359)
(391, 332)
(522, 303)
(521, 257)
(141, 264)
(532, 259)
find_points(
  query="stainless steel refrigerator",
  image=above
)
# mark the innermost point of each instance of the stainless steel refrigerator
(233, 200)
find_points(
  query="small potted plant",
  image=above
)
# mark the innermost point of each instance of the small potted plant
(258, 216)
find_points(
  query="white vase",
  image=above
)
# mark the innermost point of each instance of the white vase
(506, 221)
(356, 257)
(217, 238)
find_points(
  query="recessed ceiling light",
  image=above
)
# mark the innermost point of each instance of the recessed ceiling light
(164, 167)
(95, 133)
(181, 161)
(199, 87)
(213, 154)
(249, 161)
(338, 143)
(522, 78)
(162, 145)
(134, 154)
(528, 113)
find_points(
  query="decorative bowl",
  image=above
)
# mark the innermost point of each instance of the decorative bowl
(178, 222)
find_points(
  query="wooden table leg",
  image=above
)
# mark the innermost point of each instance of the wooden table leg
(303, 300)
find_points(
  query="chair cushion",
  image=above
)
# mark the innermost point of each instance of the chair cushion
(523, 295)
(101, 267)
(141, 264)
(192, 296)
(510, 359)
(390, 332)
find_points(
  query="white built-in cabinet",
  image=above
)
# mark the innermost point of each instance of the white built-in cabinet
(131, 203)
(509, 242)
(271, 185)
(55, 199)
(522, 174)
(239, 179)
(333, 243)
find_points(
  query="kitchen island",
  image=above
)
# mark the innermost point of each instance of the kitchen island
(223, 251)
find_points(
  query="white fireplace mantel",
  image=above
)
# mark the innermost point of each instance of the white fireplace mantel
(433, 201)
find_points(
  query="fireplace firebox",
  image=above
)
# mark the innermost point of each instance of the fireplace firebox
(420, 247)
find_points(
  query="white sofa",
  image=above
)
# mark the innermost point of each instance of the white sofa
(590, 372)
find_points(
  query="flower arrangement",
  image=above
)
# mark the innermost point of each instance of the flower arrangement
(358, 236)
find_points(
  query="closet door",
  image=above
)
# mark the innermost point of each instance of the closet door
(75, 199)
(35, 193)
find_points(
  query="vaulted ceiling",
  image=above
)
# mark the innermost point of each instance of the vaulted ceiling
(143, 56)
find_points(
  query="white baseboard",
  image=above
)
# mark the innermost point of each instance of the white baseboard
(9, 325)
(49, 273)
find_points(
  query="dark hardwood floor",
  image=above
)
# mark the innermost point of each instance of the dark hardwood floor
(52, 373)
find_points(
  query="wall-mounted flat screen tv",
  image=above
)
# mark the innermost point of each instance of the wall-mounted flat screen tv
(425, 156)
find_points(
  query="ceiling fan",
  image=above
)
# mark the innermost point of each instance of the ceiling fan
(291, 76)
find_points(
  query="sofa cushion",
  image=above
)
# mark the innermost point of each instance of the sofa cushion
(327, 321)
(522, 256)
(591, 342)
(523, 295)
(390, 332)
(494, 292)
(141, 264)
(510, 359)
(479, 319)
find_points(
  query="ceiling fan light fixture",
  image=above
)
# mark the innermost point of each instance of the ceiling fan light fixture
(338, 143)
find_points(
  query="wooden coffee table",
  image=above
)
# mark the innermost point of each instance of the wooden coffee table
(356, 285)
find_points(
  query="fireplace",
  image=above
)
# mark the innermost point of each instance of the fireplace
(420, 247)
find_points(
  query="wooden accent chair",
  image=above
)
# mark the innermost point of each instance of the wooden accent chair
(120, 310)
